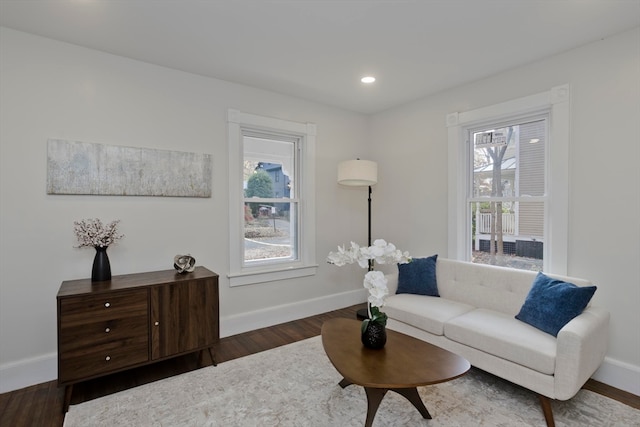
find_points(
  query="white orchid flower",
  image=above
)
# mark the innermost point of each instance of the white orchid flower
(382, 253)
(376, 283)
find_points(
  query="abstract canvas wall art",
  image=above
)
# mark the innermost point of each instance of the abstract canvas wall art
(75, 167)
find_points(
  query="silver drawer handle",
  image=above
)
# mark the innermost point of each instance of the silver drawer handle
(107, 330)
(107, 358)
(156, 323)
(107, 304)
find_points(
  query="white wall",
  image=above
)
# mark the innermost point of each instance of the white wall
(51, 89)
(604, 173)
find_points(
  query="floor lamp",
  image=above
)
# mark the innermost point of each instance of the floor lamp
(360, 173)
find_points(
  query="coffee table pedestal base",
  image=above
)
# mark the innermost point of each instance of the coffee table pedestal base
(375, 396)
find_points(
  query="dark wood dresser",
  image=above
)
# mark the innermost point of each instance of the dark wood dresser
(133, 320)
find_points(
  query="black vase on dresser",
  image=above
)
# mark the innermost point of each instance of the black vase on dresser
(101, 270)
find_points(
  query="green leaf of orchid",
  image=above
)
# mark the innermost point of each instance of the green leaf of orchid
(365, 323)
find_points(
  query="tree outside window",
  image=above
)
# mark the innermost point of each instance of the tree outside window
(507, 194)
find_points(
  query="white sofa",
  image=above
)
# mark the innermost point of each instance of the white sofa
(474, 317)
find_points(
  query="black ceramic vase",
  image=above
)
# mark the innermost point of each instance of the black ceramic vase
(101, 268)
(375, 336)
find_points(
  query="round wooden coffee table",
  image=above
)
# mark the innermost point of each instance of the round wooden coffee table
(404, 364)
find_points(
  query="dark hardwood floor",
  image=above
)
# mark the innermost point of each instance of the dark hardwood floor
(41, 405)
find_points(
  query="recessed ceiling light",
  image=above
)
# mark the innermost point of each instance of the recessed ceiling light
(368, 79)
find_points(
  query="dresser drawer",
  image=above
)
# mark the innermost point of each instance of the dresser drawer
(95, 333)
(80, 310)
(102, 359)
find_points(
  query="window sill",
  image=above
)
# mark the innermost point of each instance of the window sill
(261, 276)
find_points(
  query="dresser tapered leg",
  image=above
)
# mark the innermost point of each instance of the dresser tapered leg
(213, 356)
(68, 390)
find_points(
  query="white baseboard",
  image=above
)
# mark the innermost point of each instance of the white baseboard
(244, 322)
(28, 372)
(621, 375)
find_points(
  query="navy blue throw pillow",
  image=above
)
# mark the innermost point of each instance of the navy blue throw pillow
(552, 303)
(418, 277)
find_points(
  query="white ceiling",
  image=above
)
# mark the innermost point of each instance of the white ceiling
(319, 49)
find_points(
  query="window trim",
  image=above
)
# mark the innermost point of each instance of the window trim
(556, 102)
(306, 265)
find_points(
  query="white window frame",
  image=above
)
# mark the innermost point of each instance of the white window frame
(556, 103)
(240, 274)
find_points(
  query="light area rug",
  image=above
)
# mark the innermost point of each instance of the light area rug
(296, 385)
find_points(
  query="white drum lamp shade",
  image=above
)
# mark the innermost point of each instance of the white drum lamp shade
(358, 173)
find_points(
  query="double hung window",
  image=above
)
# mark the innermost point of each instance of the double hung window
(507, 194)
(270, 205)
(271, 199)
(508, 182)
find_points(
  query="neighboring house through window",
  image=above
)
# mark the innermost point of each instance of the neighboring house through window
(507, 196)
(271, 199)
(508, 183)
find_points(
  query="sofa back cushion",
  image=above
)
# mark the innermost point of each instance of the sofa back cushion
(488, 286)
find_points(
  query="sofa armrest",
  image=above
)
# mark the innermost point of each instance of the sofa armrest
(581, 347)
(392, 282)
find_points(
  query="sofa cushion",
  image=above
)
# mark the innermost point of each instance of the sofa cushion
(418, 277)
(484, 286)
(552, 303)
(501, 335)
(424, 312)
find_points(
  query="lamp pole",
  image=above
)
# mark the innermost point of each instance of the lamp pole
(369, 200)
(360, 173)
